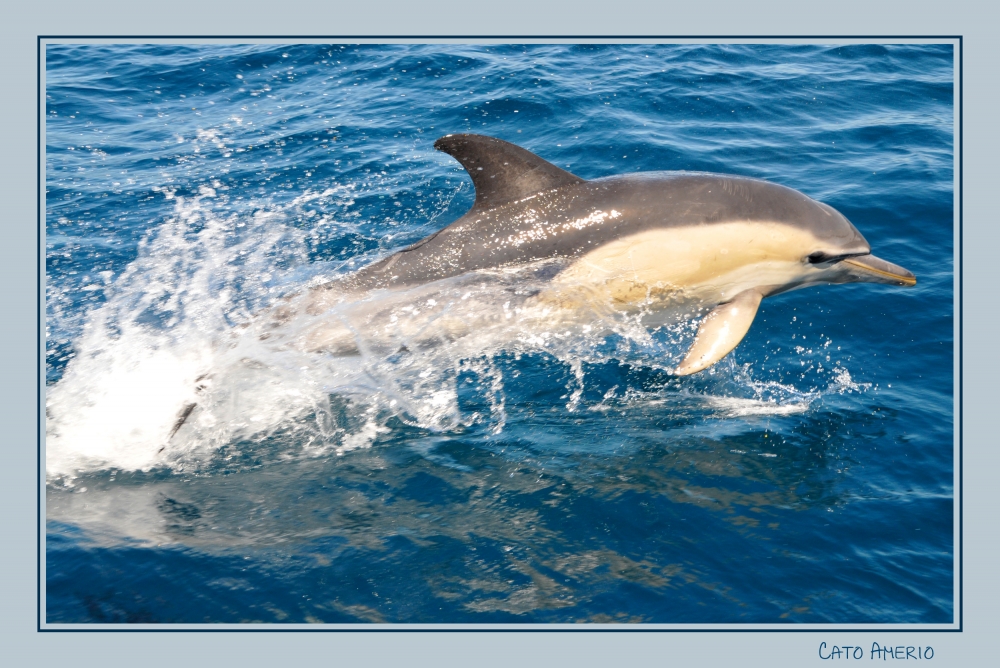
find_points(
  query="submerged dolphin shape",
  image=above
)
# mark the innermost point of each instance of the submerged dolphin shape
(635, 241)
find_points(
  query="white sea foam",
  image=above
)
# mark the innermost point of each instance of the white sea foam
(138, 356)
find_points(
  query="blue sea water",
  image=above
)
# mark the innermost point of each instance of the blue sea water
(519, 474)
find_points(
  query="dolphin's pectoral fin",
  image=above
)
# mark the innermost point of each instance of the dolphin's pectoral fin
(720, 332)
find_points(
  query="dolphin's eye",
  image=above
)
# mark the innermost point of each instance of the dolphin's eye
(819, 257)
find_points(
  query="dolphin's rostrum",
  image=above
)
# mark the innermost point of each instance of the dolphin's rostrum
(633, 241)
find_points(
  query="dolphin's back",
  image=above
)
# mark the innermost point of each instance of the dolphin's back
(527, 209)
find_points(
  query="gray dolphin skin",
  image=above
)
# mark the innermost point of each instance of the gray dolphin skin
(711, 240)
(639, 242)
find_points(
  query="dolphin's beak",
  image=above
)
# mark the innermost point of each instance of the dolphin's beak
(870, 269)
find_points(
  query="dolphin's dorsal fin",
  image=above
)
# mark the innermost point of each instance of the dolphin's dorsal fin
(501, 171)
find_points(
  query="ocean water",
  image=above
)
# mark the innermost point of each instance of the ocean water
(530, 471)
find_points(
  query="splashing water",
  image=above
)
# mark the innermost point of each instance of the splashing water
(221, 313)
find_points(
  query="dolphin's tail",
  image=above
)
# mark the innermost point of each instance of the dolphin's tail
(201, 382)
(181, 419)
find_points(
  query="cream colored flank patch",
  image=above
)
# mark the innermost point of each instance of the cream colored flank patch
(707, 263)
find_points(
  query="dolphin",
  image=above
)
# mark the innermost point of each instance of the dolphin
(637, 242)
(712, 240)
